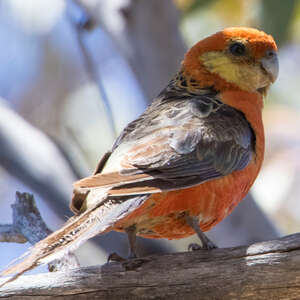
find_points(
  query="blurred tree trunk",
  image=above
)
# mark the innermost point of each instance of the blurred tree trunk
(157, 47)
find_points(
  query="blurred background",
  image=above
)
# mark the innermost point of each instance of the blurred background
(74, 73)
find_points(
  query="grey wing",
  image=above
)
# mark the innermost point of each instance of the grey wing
(190, 150)
(179, 141)
(174, 145)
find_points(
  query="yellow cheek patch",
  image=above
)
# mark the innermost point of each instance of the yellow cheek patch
(247, 77)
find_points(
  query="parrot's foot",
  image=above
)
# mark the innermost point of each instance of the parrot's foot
(130, 264)
(207, 244)
(115, 258)
(131, 233)
(133, 264)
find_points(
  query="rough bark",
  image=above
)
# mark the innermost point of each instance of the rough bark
(28, 225)
(267, 270)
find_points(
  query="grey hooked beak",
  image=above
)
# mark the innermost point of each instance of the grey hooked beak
(270, 64)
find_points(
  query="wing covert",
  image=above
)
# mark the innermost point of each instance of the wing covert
(187, 147)
(176, 143)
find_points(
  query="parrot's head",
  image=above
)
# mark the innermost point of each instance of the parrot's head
(235, 58)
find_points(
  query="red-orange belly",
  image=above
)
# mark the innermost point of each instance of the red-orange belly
(162, 215)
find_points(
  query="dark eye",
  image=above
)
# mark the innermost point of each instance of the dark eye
(237, 49)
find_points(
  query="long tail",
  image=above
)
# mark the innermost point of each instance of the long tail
(75, 232)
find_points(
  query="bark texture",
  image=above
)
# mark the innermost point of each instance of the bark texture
(267, 270)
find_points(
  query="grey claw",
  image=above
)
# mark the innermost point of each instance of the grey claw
(133, 264)
(194, 247)
(115, 257)
(208, 246)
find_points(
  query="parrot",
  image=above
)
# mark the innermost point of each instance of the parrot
(186, 162)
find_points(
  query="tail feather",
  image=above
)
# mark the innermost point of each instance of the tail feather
(76, 231)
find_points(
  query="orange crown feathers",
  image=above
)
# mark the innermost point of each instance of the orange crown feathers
(258, 42)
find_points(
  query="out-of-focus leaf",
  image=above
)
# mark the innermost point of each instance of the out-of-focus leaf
(232, 12)
(276, 18)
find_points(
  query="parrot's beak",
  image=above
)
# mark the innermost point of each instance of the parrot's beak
(270, 64)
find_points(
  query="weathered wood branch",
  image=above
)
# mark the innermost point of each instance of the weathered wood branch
(267, 270)
(9, 234)
(28, 225)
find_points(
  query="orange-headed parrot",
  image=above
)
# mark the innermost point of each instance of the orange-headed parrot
(187, 161)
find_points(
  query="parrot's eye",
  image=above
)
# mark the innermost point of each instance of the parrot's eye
(237, 49)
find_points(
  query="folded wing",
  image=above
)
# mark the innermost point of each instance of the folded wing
(176, 149)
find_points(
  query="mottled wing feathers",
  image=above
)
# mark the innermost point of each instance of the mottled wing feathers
(177, 144)
(190, 138)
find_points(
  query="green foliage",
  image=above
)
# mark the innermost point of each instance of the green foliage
(276, 18)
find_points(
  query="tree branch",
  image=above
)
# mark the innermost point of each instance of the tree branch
(8, 234)
(267, 270)
(28, 225)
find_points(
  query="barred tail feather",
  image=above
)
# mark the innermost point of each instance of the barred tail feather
(75, 232)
